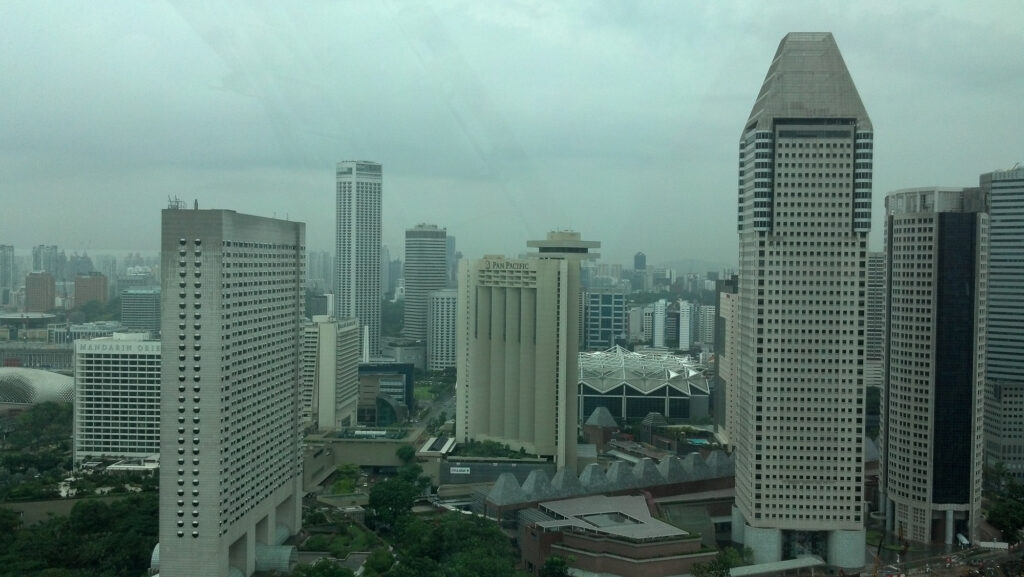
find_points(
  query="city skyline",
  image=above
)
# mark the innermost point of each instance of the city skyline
(178, 104)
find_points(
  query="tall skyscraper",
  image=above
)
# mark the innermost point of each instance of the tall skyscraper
(688, 324)
(358, 246)
(425, 272)
(804, 215)
(1004, 420)
(934, 350)
(723, 396)
(441, 322)
(604, 319)
(518, 343)
(6, 273)
(117, 397)
(231, 466)
(875, 320)
(48, 258)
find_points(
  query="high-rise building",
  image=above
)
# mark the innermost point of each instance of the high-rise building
(639, 261)
(330, 372)
(804, 216)
(723, 397)
(518, 343)
(604, 319)
(441, 322)
(6, 273)
(875, 320)
(451, 261)
(40, 292)
(688, 324)
(425, 271)
(117, 397)
(231, 465)
(706, 323)
(658, 321)
(934, 350)
(1004, 419)
(357, 253)
(140, 309)
(48, 258)
(385, 272)
(90, 287)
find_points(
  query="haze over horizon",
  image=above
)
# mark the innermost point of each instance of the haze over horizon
(498, 121)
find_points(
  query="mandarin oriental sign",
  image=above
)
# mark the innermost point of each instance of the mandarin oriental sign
(114, 347)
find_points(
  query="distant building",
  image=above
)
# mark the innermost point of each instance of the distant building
(40, 292)
(7, 274)
(1004, 364)
(658, 321)
(49, 259)
(933, 384)
(640, 261)
(90, 287)
(231, 474)
(357, 253)
(723, 400)
(385, 393)
(688, 324)
(329, 387)
(604, 319)
(707, 324)
(631, 385)
(425, 271)
(441, 321)
(117, 397)
(518, 329)
(140, 309)
(874, 324)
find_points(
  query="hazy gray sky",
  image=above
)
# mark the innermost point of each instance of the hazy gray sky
(499, 120)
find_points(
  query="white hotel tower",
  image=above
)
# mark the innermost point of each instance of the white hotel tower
(518, 348)
(230, 463)
(804, 215)
(357, 250)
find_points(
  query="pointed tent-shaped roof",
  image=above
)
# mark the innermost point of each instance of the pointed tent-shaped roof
(506, 491)
(808, 78)
(721, 464)
(646, 473)
(593, 478)
(565, 483)
(695, 467)
(619, 476)
(536, 486)
(672, 469)
(602, 417)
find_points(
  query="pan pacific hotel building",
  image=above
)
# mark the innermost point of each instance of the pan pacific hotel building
(805, 158)
(518, 335)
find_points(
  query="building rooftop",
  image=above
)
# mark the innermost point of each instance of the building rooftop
(645, 372)
(625, 516)
(808, 78)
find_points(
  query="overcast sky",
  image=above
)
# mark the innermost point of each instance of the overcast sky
(498, 120)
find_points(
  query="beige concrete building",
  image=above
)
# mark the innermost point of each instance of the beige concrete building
(804, 202)
(518, 344)
(231, 463)
(330, 372)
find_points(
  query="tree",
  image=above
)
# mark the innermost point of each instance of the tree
(406, 453)
(719, 566)
(322, 568)
(1007, 515)
(555, 566)
(392, 499)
